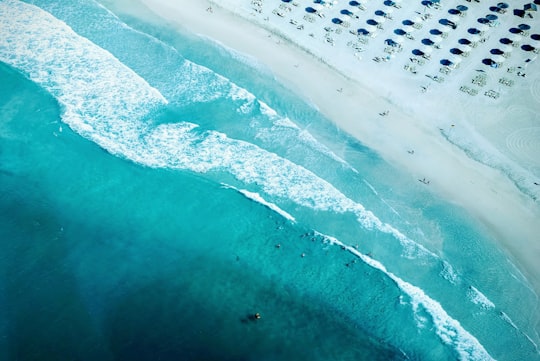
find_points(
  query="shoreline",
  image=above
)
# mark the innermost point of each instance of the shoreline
(486, 193)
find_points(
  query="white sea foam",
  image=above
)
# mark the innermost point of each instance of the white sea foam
(448, 273)
(479, 298)
(89, 82)
(254, 196)
(448, 329)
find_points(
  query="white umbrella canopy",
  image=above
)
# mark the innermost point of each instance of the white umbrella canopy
(483, 27)
(456, 59)
(371, 28)
(517, 37)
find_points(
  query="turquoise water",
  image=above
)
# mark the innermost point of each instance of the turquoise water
(157, 191)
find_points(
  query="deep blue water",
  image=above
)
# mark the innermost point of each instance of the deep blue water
(148, 182)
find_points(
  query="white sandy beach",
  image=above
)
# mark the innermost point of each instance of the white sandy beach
(422, 113)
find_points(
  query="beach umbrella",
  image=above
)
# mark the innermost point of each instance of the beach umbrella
(391, 42)
(346, 12)
(400, 32)
(515, 31)
(462, 8)
(418, 52)
(407, 22)
(464, 41)
(427, 3)
(537, 2)
(286, 1)
(505, 41)
(389, 3)
(456, 51)
(494, 9)
(535, 37)
(435, 32)
(310, 10)
(530, 7)
(502, 5)
(528, 47)
(363, 31)
(380, 13)
(473, 31)
(446, 62)
(492, 17)
(524, 26)
(447, 22)
(454, 12)
(496, 52)
(490, 62)
(519, 12)
(354, 3)
(337, 21)
(428, 42)
(482, 20)
(372, 22)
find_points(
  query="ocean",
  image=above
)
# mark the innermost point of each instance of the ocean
(158, 191)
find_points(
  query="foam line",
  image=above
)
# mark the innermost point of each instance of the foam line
(256, 197)
(88, 81)
(448, 329)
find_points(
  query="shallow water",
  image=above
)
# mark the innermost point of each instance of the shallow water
(129, 232)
